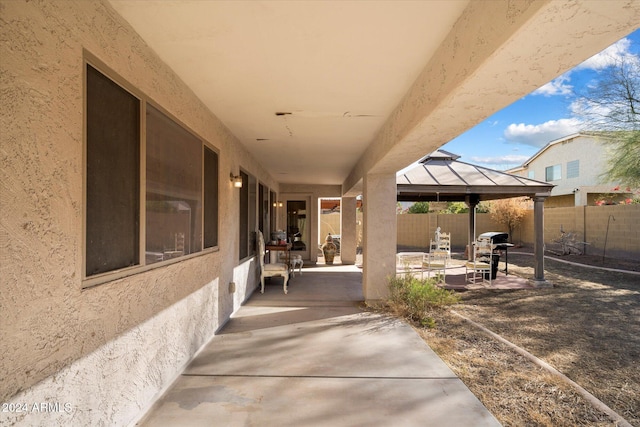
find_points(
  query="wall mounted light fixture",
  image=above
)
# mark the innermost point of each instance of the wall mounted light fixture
(236, 179)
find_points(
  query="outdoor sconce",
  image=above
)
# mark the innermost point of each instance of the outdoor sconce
(280, 204)
(236, 179)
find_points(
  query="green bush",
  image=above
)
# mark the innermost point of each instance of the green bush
(416, 299)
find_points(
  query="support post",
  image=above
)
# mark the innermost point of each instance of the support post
(471, 201)
(380, 235)
(538, 246)
(348, 235)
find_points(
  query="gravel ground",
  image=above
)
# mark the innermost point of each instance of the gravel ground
(586, 326)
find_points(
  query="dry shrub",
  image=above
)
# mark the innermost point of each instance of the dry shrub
(416, 299)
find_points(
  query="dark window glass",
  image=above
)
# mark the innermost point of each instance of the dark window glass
(174, 189)
(253, 214)
(210, 198)
(112, 176)
(244, 216)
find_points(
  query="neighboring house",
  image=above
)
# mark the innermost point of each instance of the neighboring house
(575, 165)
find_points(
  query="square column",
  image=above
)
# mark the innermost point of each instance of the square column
(348, 237)
(538, 244)
(380, 235)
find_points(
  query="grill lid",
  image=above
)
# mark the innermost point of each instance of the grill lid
(495, 236)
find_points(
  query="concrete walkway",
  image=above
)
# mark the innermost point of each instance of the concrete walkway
(314, 358)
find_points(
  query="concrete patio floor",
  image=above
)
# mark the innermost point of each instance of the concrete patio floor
(456, 278)
(315, 358)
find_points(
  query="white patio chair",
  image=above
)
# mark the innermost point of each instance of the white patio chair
(436, 262)
(480, 266)
(442, 243)
(272, 269)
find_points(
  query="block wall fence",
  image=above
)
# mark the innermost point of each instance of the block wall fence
(588, 223)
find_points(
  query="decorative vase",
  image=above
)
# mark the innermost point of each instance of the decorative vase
(329, 249)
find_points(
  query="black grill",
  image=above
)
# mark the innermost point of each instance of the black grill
(498, 238)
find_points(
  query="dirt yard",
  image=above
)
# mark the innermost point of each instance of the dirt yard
(587, 326)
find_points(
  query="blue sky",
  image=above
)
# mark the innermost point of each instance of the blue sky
(512, 135)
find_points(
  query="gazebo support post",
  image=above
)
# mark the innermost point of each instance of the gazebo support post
(471, 201)
(538, 245)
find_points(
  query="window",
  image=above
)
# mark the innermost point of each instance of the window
(244, 216)
(248, 215)
(573, 169)
(553, 173)
(531, 175)
(253, 214)
(112, 185)
(177, 201)
(210, 198)
(174, 189)
(272, 216)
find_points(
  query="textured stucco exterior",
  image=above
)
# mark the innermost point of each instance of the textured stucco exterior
(49, 324)
(114, 384)
(592, 155)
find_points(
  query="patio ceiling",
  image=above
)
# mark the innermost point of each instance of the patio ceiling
(441, 177)
(303, 84)
(322, 92)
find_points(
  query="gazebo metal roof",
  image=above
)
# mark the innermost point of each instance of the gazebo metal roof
(441, 177)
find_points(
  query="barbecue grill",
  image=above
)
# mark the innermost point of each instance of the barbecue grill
(498, 238)
(499, 242)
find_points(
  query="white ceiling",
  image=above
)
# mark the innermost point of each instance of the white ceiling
(336, 68)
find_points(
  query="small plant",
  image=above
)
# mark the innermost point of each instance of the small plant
(416, 299)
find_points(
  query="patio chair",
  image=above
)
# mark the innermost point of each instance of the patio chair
(436, 262)
(480, 265)
(273, 269)
(442, 243)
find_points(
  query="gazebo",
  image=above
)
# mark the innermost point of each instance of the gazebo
(441, 177)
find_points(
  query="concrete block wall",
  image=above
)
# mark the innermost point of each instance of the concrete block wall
(417, 230)
(623, 236)
(414, 230)
(588, 223)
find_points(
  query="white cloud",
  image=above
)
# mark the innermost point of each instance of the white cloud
(509, 159)
(614, 53)
(617, 52)
(539, 135)
(558, 86)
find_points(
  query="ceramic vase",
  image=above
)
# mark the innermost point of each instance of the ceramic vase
(329, 249)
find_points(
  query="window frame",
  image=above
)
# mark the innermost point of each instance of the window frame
(573, 169)
(89, 281)
(248, 216)
(553, 170)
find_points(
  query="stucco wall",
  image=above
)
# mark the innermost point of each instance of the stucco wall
(592, 155)
(47, 320)
(115, 384)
